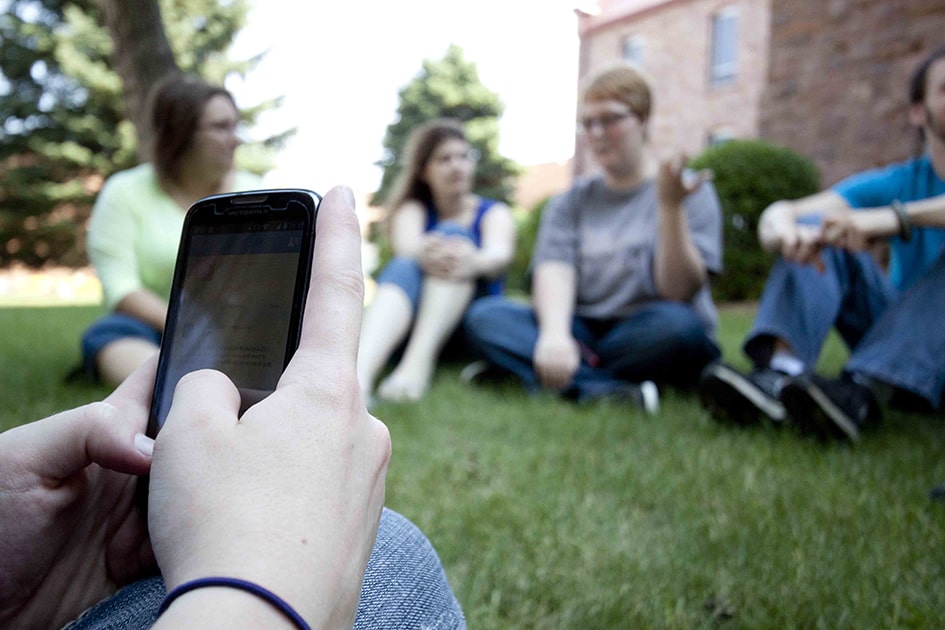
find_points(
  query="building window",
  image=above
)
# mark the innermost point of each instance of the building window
(631, 49)
(723, 57)
(720, 135)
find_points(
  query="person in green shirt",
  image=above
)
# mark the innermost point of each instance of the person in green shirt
(136, 222)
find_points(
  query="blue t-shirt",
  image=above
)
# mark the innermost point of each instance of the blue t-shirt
(913, 180)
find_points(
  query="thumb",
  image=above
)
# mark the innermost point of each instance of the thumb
(61, 445)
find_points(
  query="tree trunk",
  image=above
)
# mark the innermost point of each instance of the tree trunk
(142, 56)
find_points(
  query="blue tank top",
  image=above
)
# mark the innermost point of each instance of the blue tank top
(483, 286)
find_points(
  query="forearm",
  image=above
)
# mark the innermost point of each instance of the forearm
(497, 248)
(678, 269)
(408, 231)
(145, 306)
(885, 222)
(927, 213)
(779, 220)
(553, 294)
(491, 262)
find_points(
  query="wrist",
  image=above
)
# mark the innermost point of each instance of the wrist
(221, 607)
(231, 602)
(903, 222)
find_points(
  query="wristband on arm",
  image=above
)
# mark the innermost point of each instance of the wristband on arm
(905, 225)
(277, 602)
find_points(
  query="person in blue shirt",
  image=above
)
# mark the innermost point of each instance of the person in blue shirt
(826, 278)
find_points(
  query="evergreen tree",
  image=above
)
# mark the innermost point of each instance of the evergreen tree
(64, 129)
(450, 88)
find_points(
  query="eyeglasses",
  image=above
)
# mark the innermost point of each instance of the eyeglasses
(470, 155)
(604, 121)
(222, 128)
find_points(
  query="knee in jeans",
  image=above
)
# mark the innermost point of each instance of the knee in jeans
(399, 265)
(481, 313)
(688, 333)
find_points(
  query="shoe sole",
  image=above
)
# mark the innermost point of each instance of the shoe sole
(650, 395)
(813, 411)
(473, 371)
(730, 397)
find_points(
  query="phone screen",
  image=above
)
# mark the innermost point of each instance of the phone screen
(236, 305)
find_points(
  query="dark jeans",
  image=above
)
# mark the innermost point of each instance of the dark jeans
(665, 342)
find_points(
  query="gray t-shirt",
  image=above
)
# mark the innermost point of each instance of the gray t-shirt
(610, 238)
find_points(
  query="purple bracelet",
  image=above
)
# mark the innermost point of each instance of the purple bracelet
(277, 602)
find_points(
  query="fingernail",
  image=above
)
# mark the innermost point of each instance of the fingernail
(349, 196)
(144, 444)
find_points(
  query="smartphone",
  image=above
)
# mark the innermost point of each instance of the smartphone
(237, 296)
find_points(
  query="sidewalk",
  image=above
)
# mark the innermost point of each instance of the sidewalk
(59, 286)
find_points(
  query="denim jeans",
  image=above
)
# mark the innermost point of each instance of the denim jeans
(665, 342)
(109, 328)
(404, 587)
(897, 338)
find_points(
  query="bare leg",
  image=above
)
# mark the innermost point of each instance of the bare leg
(117, 360)
(442, 304)
(385, 326)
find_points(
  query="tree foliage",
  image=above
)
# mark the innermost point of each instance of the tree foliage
(750, 175)
(450, 87)
(64, 128)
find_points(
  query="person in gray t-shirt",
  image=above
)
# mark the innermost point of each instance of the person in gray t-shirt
(621, 267)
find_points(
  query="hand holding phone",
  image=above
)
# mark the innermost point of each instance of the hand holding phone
(238, 294)
(289, 494)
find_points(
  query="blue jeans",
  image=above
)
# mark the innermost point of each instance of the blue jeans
(897, 338)
(404, 587)
(665, 342)
(109, 328)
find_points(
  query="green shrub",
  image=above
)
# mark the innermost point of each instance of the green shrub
(749, 176)
(526, 221)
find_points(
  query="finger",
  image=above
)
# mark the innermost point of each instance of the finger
(788, 250)
(818, 263)
(692, 179)
(133, 395)
(832, 233)
(332, 321)
(205, 398)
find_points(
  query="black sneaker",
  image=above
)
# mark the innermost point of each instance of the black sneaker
(731, 396)
(937, 493)
(830, 408)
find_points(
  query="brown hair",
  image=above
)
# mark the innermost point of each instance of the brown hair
(176, 104)
(621, 83)
(918, 85)
(423, 141)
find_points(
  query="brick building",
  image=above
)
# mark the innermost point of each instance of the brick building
(826, 78)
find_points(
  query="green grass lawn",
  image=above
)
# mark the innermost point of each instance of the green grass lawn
(551, 515)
